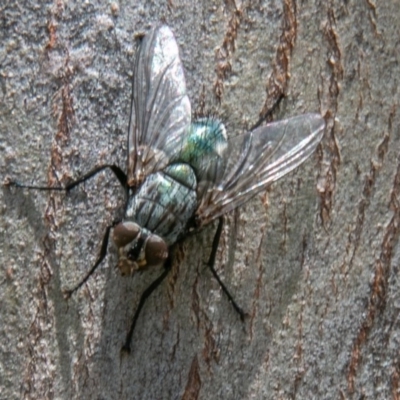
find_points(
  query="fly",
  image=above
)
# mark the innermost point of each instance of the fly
(182, 175)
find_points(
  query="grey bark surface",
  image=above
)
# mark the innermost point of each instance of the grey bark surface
(314, 260)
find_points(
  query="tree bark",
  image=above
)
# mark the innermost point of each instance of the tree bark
(313, 261)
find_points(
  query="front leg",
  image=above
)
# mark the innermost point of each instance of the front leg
(100, 258)
(211, 263)
(126, 348)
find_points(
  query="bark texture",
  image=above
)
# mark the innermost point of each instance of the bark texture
(314, 260)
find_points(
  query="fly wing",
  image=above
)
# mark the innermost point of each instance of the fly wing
(160, 115)
(258, 158)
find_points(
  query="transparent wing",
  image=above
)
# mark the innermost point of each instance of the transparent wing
(160, 115)
(258, 158)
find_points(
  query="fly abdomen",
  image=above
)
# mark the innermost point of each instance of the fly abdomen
(165, 201)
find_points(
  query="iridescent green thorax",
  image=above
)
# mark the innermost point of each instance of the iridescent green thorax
(182, 173)
(165, 202)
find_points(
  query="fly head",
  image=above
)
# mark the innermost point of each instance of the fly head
(137, 248)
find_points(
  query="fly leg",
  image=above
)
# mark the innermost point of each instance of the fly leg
(121, 176)
(102, 254)
(268, 112)
(126, 348)
(211, 263)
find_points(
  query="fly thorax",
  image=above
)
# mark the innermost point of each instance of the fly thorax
(138, 248)
(165, 202)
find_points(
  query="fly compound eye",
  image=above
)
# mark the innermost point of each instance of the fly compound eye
(156, 250)
(125, 232)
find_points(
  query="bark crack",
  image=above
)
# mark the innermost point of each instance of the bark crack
(382, 267)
